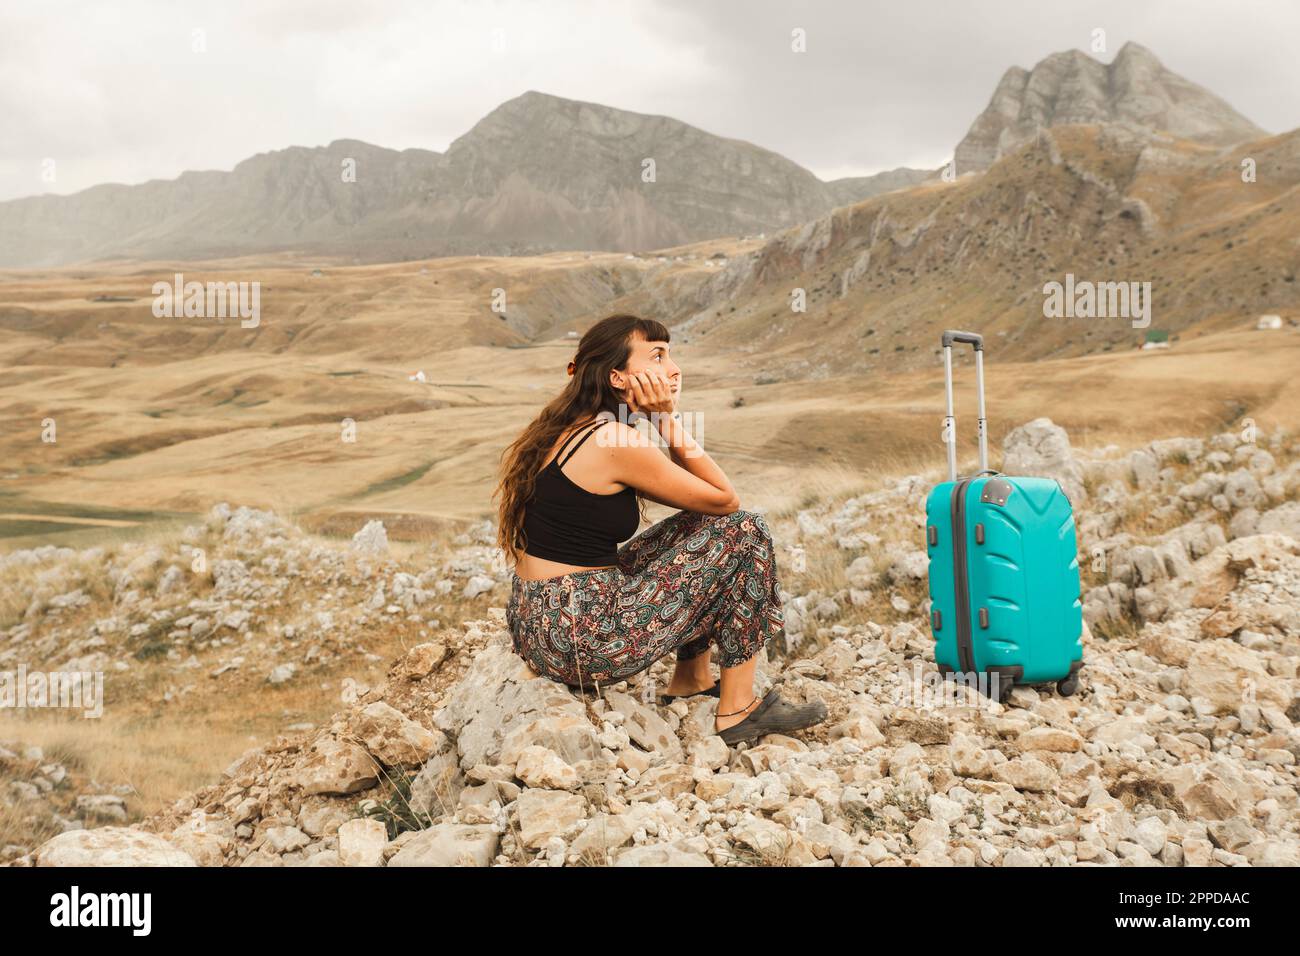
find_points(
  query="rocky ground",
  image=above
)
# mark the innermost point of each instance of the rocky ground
(1179, 748)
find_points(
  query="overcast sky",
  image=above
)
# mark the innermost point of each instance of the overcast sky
(117, 92)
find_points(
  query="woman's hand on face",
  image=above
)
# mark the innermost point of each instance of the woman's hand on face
(649, 391)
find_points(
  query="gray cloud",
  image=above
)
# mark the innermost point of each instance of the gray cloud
(117, 93)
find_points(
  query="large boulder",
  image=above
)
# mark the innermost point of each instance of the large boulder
(110, 846)
(449, 844)
(500, 702)
(1042, 448)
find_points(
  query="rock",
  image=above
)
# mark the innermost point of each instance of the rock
(394, 739)
(1042, 448)
(1144, 468)
(1151, 834)
(606, 832)
(204, 847)
(335, 767)
(476, 585)
(362, 842)
(1026, 773)
(927, 831)
(968, 757)
(1177, 450)
(647, 729)
(1284, 519)
(371, 539)
(449, 844)
(1016, 856)
(1197, 852)
(1050, 738)
(323, 858)
(421, 660)
(1242, 490)
(944, 810)
(500, 697)
(437, 788)
(1226, 674)
(660, 854)
(909, 566)
(546, 813)
(861, 573)
(103, 806)
(1232, 834)
(772, 842)
(539, 767)
(281, 840)
(282, 673)
(110, 846)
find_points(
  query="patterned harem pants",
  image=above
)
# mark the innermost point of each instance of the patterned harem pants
(683, 583)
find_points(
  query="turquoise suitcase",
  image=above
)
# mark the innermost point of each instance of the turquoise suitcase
(1005, 602)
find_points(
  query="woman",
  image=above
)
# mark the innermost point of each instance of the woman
(583, 610)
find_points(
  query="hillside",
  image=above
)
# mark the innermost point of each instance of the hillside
(1180, 748)
(883, 277)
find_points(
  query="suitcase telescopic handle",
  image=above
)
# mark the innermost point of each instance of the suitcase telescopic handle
(949, 422)
(970, 338)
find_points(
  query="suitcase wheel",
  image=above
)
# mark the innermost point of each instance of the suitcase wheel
(1068, 685)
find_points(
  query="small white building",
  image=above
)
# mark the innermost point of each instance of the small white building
(417, 377)
(1267, 322)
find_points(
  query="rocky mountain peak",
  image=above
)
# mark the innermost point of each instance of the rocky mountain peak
(1134, 90)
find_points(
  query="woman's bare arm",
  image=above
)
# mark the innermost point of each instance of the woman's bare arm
(687, 478)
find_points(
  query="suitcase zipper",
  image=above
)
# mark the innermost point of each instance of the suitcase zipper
(965, 650)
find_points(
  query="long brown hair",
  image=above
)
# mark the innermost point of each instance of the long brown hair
(604, 347)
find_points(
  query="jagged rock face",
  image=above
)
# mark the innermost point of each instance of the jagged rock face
(1135, 90)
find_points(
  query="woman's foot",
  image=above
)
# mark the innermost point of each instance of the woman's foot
(690, 676)
(771, 715)
(686, 687)
(721, 723)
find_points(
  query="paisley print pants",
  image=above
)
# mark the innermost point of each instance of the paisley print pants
(688, 581)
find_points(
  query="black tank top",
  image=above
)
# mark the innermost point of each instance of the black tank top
(568, 524)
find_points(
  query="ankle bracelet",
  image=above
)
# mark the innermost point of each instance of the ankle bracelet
(741, 711)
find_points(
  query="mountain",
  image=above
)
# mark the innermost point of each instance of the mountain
(1135, 91)
(883, 277)
(857, 188)
(539, 173)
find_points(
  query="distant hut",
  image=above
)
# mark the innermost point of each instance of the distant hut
(1156, 339)
(1268, 323)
